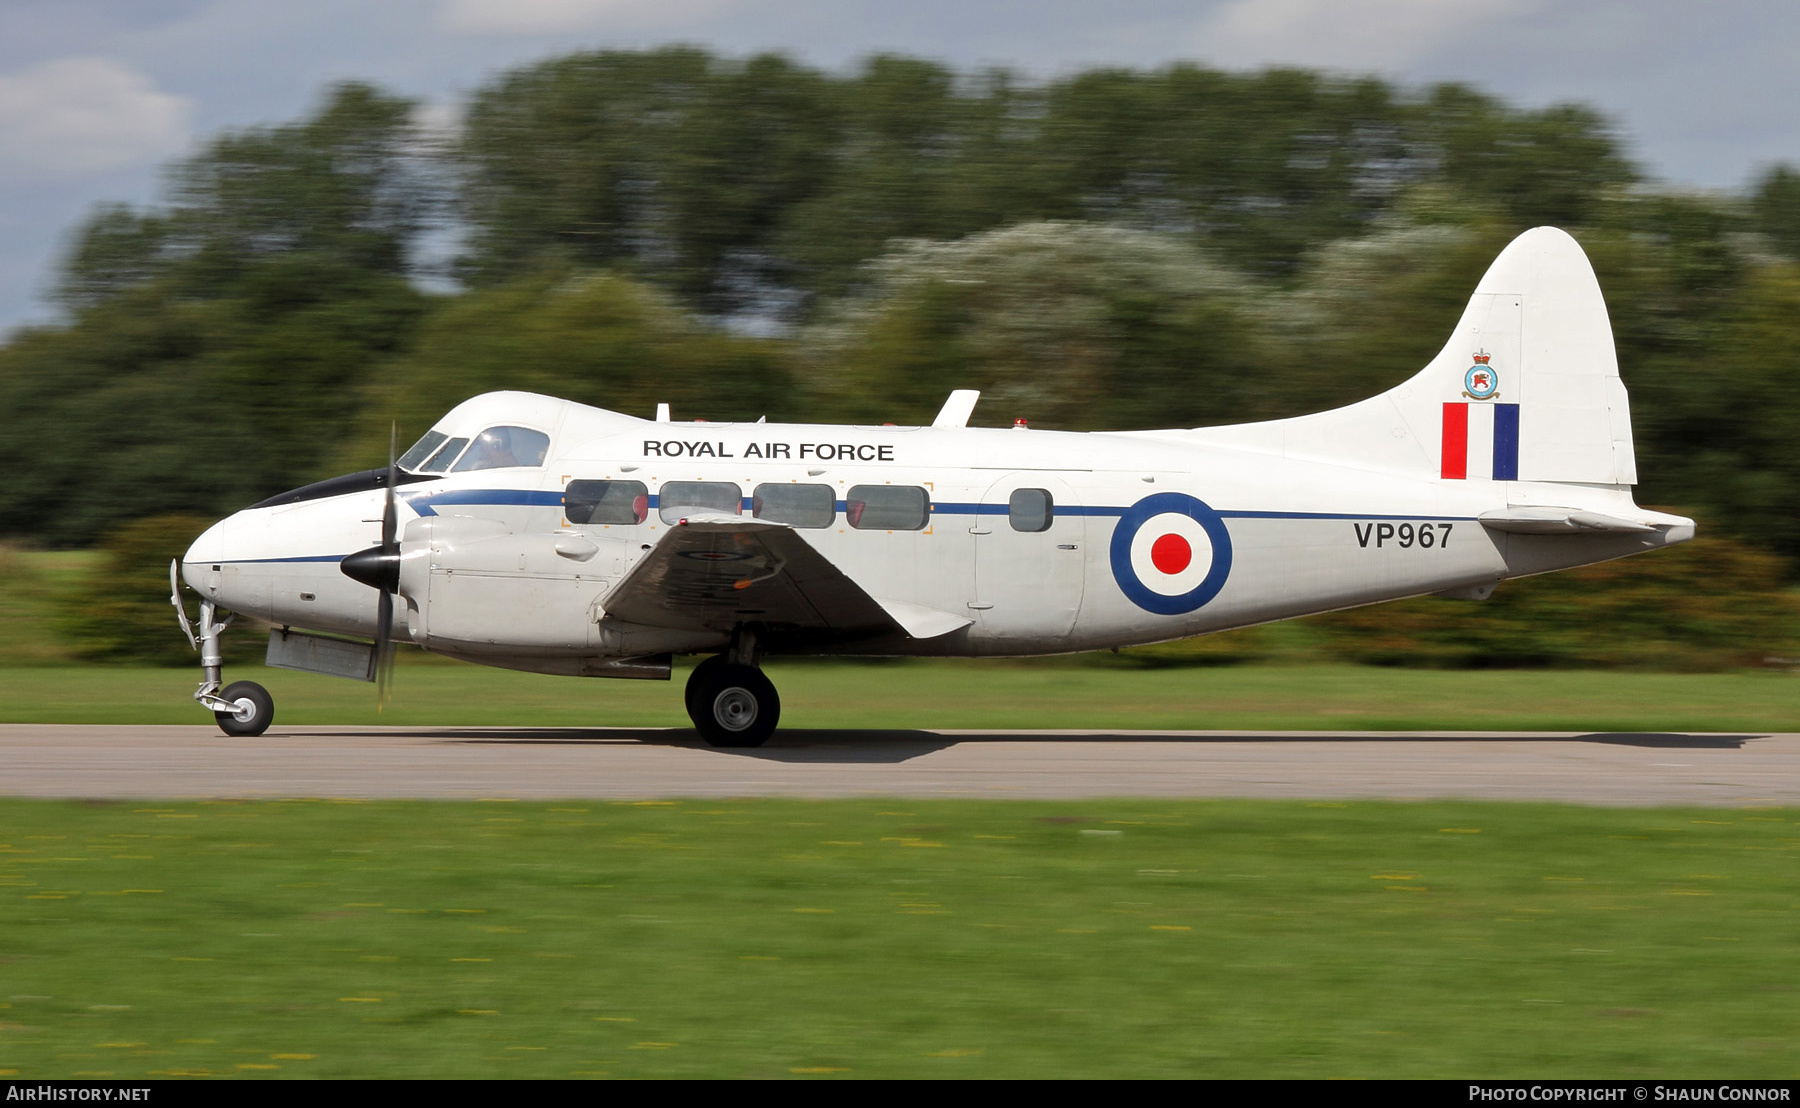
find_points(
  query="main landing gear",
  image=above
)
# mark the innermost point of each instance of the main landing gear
(729, 699)
(244, 707)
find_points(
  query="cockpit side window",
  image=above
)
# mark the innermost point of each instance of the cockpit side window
(504, 447)
(421, 450)
(445, 455)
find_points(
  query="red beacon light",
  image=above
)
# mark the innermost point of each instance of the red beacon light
(1019, 425)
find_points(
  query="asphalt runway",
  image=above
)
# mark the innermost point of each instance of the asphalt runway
(461, 762)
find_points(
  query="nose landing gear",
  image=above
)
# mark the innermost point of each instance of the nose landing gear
(244, 707)
(730, 701)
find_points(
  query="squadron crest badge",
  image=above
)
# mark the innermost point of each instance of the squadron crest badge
(1481, 382)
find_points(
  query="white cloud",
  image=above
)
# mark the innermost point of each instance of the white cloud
(548, 17)
(82, 115)
(1344, 34)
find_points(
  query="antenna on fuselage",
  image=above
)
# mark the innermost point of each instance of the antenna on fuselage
(957, 409)
(662, 413)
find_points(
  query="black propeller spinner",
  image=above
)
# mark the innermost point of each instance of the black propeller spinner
(379, 568)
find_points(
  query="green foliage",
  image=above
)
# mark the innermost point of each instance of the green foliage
(120, 611)
(774, 938)
(1775, 208)
(1708, 604)
(215, 344)
(732, 183)
(594, 338)
(1071, 325)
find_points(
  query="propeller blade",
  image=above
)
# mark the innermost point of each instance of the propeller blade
(390, 557)
(388, 510)
(384, 650)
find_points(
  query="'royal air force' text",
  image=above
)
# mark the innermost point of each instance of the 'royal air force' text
(802, 451)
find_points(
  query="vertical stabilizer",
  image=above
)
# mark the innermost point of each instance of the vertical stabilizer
(1527, 388)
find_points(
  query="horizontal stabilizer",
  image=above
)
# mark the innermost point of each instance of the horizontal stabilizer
(1521, 520)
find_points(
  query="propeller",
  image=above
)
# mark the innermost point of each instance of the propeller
(379, 568)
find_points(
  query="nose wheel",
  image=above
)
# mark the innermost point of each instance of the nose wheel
(252, 709)
(242, 707)
(731, 704)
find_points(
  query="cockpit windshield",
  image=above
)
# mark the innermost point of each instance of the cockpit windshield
(494, 448)
(421, 450)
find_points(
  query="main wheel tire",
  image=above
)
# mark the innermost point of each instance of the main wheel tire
(735, 706)
(697, 682)
(255, 709)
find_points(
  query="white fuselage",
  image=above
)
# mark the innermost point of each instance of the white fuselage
(1152, 535)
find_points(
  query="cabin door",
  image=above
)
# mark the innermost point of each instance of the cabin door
(1030, 537)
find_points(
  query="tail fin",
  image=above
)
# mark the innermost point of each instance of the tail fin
(1527, 389)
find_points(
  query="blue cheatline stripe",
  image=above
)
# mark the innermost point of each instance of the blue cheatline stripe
(428, 505)
(1506, 442)
(425, 505)
(264, 561)
(1340, 515)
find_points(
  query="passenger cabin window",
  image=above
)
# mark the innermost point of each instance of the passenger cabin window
(446, 454)
(679, 499)
(421, 450)
(1030, 509)
(795, 505)
(503, 448)
(606, 502)
(887, 507)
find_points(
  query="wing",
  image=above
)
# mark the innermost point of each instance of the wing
(714, 573)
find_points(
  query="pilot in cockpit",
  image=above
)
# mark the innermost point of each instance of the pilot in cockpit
(492, 449)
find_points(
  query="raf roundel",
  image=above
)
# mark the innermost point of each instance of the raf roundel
(1171, 553)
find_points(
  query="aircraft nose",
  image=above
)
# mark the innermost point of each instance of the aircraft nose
(208, 549)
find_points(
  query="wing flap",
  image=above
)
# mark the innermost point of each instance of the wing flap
(921, 622)
(716, 571)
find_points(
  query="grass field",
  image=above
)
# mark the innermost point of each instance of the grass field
(878, 938)
(962, 694)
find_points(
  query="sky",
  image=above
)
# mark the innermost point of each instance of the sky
(98, 96)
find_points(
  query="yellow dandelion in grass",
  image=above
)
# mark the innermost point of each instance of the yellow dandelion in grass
(122, 1046)
(1459, 830)
(615, 1019)
(1169, 927)
(653, 1046)
(819, 1069)
(955, 1052)
(465, 911)
(1393, 877)
(257, 1066)
(293, 1057)
(9, 1073)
